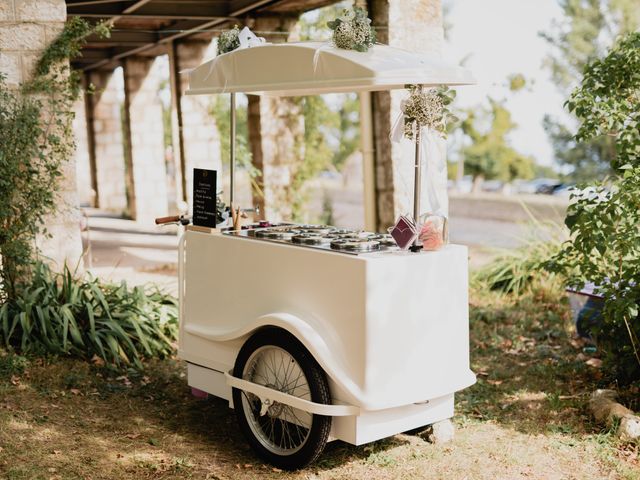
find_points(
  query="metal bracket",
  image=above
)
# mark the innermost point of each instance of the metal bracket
(268, 396)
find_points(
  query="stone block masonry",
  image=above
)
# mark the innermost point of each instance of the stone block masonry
(26, 28)
(144, 117)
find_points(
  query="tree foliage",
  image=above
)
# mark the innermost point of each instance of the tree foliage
(604, 219)
(586, 31)
(489, 154)
(83, 317)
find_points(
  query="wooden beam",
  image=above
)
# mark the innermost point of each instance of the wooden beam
(239, 7)
(155, 16)
(207, 10)
(83, 3)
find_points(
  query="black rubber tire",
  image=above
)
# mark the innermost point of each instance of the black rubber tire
(318, 386)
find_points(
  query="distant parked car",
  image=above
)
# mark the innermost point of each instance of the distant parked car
(564, 190)
(533, 186)
(549, 188)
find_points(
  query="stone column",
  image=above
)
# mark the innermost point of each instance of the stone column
(198, 145)
(84, 180)
(104, 108)
(143, 121)
(414, 25)
(26, 28)
(276, 134)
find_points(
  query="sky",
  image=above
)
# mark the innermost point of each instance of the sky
(500, 38)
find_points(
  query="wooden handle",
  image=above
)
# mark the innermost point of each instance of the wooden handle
(162, 220)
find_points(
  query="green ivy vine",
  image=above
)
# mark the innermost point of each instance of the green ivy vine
(37, 140)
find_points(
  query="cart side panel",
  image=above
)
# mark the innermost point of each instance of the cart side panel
(417, 344)
(231, 283)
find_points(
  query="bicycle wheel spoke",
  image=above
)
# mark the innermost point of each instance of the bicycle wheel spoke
(282, 430)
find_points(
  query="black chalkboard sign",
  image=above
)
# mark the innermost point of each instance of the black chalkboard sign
(204, 197)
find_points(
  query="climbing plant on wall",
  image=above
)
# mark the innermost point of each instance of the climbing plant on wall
(37, 140)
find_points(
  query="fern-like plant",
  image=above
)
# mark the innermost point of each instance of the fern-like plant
(62, 314)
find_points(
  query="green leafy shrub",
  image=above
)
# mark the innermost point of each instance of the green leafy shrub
(604, 218)
(64, 315)
(514, 271)
(36, 141)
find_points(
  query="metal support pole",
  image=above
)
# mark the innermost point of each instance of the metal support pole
(417, 182)
(417, 176)
(232, 149)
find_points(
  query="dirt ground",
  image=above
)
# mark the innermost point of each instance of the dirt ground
(526, 417)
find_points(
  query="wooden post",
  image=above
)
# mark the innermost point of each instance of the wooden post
(91, 140)
(368, 162)
(176, 122)
(128, 151)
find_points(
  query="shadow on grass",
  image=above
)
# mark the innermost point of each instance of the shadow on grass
(147, 425)
(531, 376)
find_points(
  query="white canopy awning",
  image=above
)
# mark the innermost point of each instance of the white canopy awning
(312, 68)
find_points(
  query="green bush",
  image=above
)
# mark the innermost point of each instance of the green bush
(604, 218)
(83, 317)
(514, 271)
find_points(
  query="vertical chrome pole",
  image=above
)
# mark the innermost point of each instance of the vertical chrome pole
(417, 176)
(417, 183)
(232, 149)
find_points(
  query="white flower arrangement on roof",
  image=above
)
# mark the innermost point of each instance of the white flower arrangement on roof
(353, 30)
(229, 40)
(427, 108)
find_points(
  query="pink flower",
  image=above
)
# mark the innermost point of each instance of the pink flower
(431, 235)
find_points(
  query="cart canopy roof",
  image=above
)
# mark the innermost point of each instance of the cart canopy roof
(311, 68)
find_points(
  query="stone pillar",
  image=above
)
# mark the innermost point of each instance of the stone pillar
(26, 28)
(86, 193)
(414, 25)
(104, 115)
(198, 145)
(143, 121)
(276, 133)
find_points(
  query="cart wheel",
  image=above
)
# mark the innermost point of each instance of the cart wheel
(284, 436)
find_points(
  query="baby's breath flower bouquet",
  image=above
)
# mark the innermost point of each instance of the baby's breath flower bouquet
(229, 40)
(427, 108)
(353, 30)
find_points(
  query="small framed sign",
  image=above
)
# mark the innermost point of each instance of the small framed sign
(204, 197)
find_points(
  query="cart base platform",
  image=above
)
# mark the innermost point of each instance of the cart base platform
(367, 426)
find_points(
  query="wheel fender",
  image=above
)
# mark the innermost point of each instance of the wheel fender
(313, 341)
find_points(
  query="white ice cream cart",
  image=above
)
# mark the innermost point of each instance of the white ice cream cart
(314, 333)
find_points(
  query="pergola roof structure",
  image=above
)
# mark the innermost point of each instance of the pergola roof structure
(144, 27)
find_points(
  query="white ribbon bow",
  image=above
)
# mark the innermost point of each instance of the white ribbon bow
(397, 131)
(433, 160)
(249, 39)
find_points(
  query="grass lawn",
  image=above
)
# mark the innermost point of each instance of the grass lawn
(525, 418)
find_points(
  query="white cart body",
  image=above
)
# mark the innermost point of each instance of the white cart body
(390, 330)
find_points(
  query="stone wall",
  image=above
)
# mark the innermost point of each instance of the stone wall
(105, 107)
(142, 82)
(201, 139)
(26, 28)
(414, 25)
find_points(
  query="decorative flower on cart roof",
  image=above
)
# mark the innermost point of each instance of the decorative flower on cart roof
(353, 30)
